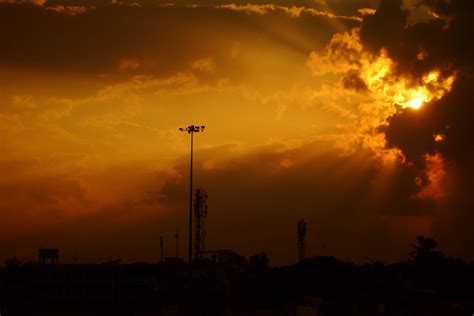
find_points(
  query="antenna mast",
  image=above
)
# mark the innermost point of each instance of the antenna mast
(200, 215)
(301, 229)
(177, 244)
(162, 251)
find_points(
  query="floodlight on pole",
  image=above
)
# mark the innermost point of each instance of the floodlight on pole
(191, 129)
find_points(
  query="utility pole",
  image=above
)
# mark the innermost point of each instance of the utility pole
(177, 244)
(191, 130)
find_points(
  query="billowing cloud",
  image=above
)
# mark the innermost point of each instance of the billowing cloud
(417, 73)
(436, 136)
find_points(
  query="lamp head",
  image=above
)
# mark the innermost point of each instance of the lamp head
(192, 129)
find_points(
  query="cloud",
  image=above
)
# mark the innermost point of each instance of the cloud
(367, 11)
(445, 50)
(71, 10)
(393, 56)
(378, 90)
(129, 206)
(305, 179)
(109, 188)
(415, 48)
(203, 65)
(35, 2)
(92, 100)
(292, 11)
(100, 38)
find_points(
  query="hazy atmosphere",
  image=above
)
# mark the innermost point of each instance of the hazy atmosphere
(354, 114)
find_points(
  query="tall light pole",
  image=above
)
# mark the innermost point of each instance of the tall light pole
(191, 129)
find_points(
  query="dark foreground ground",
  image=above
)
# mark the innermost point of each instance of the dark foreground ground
(428, 284)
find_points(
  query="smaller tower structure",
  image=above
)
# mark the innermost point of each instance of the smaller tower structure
(200, 215)
(301, 231)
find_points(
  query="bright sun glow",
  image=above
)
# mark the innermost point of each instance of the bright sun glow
(392, 92)
(415, 103)
(379, 77)
(387, 90)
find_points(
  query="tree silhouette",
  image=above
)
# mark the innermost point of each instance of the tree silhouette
(13, 264)
(424, 251)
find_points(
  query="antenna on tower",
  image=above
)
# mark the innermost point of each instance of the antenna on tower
(301, 229)
(200, 215)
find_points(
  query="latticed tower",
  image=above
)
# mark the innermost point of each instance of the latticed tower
(301, 230)
(200, 214)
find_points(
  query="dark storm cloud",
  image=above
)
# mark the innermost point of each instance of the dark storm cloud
(443, 42)
(450, 8)
(385, 27)
(447, 48)
(101, 37)
(446, 44)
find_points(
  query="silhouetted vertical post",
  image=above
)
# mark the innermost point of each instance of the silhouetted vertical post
(190, 237)
(162, 252)
(177, 244)
(191, 130)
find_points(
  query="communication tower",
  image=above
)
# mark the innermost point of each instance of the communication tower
(301, 229)
(200, 215)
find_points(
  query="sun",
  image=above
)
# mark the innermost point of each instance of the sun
(378, 74)
(413, 98)
(414, 103)
(379, 79)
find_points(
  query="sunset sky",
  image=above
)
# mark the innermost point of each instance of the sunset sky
(354, 114)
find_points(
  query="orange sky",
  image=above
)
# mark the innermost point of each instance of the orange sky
(92, 95)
